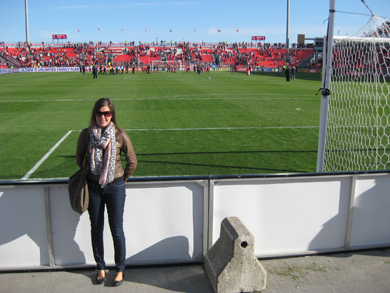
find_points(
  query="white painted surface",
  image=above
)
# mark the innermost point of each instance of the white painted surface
(23, 240)
(164, 222)
(371, 215)
(286, 215)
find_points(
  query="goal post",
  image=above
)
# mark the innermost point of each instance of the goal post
(163, 65)
(355, 114)
(326, 77)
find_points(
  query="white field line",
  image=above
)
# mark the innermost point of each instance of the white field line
(27, 176)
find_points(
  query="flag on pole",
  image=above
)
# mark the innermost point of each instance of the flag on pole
(146, 30)
(78, 30)
(98, 28)
(219, 30)
(170, 30)
(194, 29)
(237, 31)
(122, 29)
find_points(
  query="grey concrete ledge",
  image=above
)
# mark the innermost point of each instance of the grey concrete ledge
(362, 271)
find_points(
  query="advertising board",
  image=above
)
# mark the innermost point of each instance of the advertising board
(59, 37)
(258, 38)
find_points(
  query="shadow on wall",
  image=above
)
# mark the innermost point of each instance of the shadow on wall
(23, 235)
(173, 248)
(23, 227)
(370, 220)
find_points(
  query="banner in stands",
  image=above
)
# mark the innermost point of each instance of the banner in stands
(50, 69)
(12, 60)
(8, 70)
(258, 68)
(258, 38)
(60, 37)
(309, 70)
(221, 68)
(42, 69)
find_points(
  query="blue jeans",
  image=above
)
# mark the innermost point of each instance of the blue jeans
(113, 196)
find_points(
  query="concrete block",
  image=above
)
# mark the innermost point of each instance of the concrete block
(231, 264)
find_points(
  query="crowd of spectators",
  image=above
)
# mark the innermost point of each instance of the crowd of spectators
(48, 56)
(89, 54)
(258, 55)
(186, 53)
(3, 64)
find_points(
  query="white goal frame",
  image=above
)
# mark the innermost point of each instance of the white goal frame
(355, 104)
(163, 64)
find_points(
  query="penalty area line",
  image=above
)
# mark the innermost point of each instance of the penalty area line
(40, 162)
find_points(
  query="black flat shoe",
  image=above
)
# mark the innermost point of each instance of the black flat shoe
(100, 281)
(118, 283)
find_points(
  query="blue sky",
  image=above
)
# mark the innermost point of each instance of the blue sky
(251, 17)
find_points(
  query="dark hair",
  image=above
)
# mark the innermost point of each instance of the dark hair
(101, 103)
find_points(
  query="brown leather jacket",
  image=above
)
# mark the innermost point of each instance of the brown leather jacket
(123, 144)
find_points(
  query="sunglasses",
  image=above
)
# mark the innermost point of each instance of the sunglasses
(105, 114)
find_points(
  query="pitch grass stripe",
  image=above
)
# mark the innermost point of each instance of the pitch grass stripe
(180, 97)
(154, 99)
(217, 128)
(25, 177)
(223, 128)
(35, 179)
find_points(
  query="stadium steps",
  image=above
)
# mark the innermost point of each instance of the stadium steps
(306, 53)
(207, 58)
(123, 58)
(148, 59)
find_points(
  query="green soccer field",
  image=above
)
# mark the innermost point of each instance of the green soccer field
(179, 123)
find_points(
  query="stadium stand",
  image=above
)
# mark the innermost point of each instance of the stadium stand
(263, 55)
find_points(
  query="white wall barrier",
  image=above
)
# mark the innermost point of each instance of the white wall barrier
(303, 215)
(177, 221)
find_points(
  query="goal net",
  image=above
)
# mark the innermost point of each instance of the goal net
(167, 65)
(358, 121)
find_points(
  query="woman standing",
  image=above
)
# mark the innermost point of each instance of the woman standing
(100, 146)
